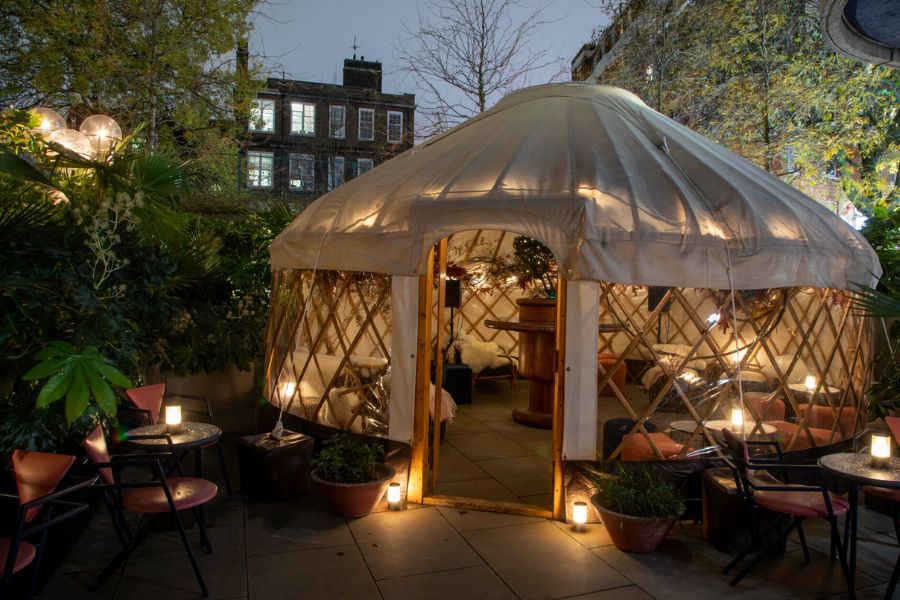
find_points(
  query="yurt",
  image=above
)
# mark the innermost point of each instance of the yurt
(682, 290)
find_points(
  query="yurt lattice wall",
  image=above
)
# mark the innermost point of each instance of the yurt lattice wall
(329, 366)
(803, 357)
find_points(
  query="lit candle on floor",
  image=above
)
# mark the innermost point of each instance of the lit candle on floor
(579, 516)
(393, 496)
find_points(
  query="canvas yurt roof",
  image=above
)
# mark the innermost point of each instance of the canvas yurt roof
(616, 190)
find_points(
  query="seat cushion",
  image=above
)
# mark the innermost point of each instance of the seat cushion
(187, 492)
(800, 504)
(635, 447)
(888, 494)
(24, 556)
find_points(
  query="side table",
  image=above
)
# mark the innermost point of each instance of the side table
(273, 469)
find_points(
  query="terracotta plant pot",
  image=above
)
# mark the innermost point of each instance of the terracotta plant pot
(354, 499)
(633, 534)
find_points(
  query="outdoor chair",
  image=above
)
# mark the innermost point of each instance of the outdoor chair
(157, 497)
(37, 476)
(893, 496)
(147, 401)
(759, 489)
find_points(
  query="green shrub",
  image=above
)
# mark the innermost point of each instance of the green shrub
(345, 460)
(640, 493)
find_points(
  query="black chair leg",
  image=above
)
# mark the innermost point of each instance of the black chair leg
(224, 469)
(190, 552)
(841, 547)
(201, 525)
(38, 561)
(802, 537)
(757, 559)
(892, 586)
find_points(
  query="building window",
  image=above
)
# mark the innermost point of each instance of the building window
(303, 118)
(335, 172)
(259, 169)
(363, 165)
(394, 126)
(367, 124)
(262, 115)
(303, 172)
(337, 121)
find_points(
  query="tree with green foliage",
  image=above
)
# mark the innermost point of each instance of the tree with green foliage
(759, 78)
(169, 64)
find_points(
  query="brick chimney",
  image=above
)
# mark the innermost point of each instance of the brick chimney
(362, 73)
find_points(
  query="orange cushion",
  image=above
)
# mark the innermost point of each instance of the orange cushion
(187, 492)
(606, 360)
(787, 430)
(635, 446)
(24, 556)
(801, 504)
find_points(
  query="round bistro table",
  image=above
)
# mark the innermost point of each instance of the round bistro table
(856, 471)
(190, 436)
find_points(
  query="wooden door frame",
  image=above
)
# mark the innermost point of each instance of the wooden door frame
(417, 487)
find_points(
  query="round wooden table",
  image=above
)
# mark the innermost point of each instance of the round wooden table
(537, 356)
(856, 470)
(715, 427)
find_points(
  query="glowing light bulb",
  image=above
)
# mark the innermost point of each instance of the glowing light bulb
(737, 420)
(810, 383)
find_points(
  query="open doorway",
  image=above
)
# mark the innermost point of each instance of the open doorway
(496, 358)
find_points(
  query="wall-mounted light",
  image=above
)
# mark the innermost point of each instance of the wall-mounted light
(393, 496)
(579, 516)
(880, 448)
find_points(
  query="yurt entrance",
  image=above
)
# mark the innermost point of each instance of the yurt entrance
(491, 338)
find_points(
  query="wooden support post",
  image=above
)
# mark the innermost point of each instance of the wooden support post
(559, 491)
(415, 490)
(438, 363)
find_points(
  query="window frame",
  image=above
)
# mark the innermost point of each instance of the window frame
(332, 171)
(262, 111)
(359, 130)
(303, 104)
(331, 128)
(259, 156)
(370, 161)
(299, 158)
(388, 130)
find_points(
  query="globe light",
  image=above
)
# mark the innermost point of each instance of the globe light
(72, 140)
(49, 120)
(102, 132)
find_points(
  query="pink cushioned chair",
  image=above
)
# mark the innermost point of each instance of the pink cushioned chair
(158, 497)
(759, 489)
(37, 476)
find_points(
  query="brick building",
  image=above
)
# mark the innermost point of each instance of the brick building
(306, 138)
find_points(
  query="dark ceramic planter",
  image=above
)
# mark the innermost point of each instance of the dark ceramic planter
(354, 499)
(633, 534)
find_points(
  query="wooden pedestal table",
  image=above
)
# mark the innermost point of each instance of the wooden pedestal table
(537, 343)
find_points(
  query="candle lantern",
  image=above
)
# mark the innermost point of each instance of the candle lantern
(393, 496)
(880, 449)
(579, 516)
(810, 383)
(173, 417)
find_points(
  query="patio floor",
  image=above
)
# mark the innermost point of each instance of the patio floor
(300, 550)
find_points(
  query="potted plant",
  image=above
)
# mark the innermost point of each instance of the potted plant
(351, 475)
(638, 507)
